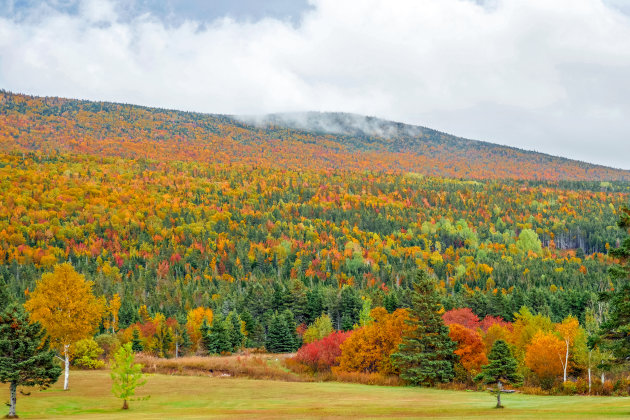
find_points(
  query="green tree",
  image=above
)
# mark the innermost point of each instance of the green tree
(280, 337)
(25, 355)
(501, 369)
(425, 356)
(216, 337)
(126, 374)
(136, 342)
(528, 241)
(615, 331)
(234, 331)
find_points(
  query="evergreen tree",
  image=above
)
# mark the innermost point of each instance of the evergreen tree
(293, 340)
(501, 369)
(280, 337)
(136, 342)
(615, 332)
(425, 356)
(314, 304)
(234, 331)
(216, 338)
(25, 356)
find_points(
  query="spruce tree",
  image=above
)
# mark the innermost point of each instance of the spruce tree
(501, 369)
(216, 338)
(25, 355)
(280, 338)
(425, 357)
(615, 331)
(136, 343)
(234, 331)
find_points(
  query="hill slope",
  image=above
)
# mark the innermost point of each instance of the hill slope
(311, 141)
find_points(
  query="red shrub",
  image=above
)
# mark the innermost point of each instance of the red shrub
(322, 354)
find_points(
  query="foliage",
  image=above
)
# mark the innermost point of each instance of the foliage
(86, 353)
(323, 354)
(616, 330)
(544, 355)
(470, 348)
(369, 349)
(320, 328)
(64, 304)
(25, 357)
(425, 356)
(501, 369)
(126, 375)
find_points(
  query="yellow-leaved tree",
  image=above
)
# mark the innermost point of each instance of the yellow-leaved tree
(64, 304)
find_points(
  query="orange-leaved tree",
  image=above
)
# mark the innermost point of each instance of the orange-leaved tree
(470, 348)
(64, 304)
(369, 348)
(543, 356)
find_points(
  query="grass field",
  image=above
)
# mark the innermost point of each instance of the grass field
(174, 397)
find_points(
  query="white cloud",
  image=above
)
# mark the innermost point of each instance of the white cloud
(537, 74)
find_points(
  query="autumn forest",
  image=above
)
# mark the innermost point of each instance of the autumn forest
(206, 234)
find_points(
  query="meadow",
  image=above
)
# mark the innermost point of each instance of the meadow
(178, 397)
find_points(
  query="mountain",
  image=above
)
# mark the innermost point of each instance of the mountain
(319, 141)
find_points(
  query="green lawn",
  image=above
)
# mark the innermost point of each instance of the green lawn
(207, 397)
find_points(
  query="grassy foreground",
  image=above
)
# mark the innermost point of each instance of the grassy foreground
(207, 397)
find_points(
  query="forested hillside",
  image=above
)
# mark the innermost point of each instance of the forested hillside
(339, 141)
(218, 227)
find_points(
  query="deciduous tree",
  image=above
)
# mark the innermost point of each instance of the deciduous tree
(64, 304)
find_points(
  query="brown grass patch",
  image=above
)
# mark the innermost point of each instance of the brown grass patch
(267, 366)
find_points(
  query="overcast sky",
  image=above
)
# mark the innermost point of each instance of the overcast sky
(546, 75)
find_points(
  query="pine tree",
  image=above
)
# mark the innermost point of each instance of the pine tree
(25, 355)
(615, 331)
(280, 338)
(501, 369)
(216, 338)
(425, 356)
(234, 331)
(136, 343)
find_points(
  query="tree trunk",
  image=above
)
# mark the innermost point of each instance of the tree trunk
(13, 388)
(566, 362)
(603, 378)
(499, 388)
(176, 349)
(125, 405)
(66, 362)
(589, 371)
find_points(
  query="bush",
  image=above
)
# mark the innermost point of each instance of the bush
(569, 388)
(86, 354)
(322, 355)
(109, 343)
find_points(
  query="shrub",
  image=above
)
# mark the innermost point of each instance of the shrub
(322, 355)
(109, 343)
(569, 388)
(86, 354)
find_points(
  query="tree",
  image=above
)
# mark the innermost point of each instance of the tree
(501, 369)
(280, 336)
(470, 347)
(25, 355)
(235, 331)
(216, 337)
(615, 331)
(528, 241)
(194, 320)
(319, 329)
(64, 304)
(136, 342)
(568, 330)
(544, 356)
(126, 375)
(425, 356)
(369, 349)
(112, 310)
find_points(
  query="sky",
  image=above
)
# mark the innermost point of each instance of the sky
(551, 76)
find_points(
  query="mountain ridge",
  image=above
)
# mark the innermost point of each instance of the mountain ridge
(306, 140)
